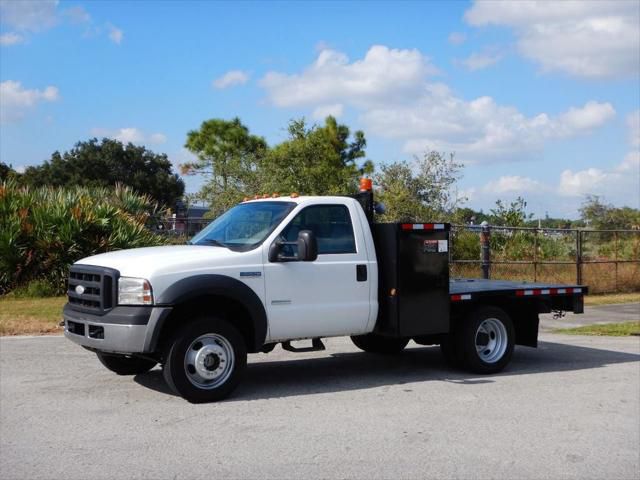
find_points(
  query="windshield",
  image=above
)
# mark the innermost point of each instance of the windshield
(245, 226)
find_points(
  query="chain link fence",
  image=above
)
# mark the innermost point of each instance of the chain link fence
(607, 261)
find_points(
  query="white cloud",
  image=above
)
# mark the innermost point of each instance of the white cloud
(478, 61)
(391, 92)
(382, 74)
(130, 135)
(33, 15)
(15, 100)
(457, 38)
(10, 38)
(583, 182)
(115, 34)
(335, 110)
(513, 183)
(581, 38)
(230, 79)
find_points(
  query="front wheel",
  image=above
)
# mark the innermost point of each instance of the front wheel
(123, 365)
(486, 340)
(373, 343)
(206, 361)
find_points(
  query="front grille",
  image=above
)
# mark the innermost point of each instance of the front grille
(98, 285)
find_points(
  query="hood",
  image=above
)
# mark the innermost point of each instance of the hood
(150, 261)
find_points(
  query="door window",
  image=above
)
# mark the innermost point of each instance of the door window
(331, 225)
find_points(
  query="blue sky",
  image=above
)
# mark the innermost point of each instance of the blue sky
(537, 100)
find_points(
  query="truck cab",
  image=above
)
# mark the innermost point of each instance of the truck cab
(279, 269)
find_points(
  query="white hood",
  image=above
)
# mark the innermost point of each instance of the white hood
(152, 261)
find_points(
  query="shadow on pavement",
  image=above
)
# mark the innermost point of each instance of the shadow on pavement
(340, 372)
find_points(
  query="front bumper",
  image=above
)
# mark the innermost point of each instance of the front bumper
(121, 330)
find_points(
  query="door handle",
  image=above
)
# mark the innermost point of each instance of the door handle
(361, 273)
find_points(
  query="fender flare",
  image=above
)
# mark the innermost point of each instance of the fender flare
(221, 285)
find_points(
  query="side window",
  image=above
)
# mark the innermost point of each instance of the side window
(330, 223)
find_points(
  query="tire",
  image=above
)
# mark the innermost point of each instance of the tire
(123, 365)
(485, 341)
(372, 343)
(206, 361)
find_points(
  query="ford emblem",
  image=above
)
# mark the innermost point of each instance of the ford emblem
(79, 289)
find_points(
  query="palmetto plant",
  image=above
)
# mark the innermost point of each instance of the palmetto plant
(44, 230)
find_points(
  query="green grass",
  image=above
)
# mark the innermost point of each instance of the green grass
(609, 329)
(30, 316)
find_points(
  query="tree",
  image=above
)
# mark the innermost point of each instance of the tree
(513, 215)
(316, 160)
(603, 216)
(6, 172)
(230, 156)
(422, 191)
(106, 163)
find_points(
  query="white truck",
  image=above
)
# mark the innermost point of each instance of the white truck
(277, 270)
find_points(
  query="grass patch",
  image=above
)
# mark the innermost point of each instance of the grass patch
(609, 329)
(612, 298)
(30, 316)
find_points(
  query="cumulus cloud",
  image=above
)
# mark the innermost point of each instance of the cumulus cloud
(130, 135)
(382, 74)
(621, 183)
(581, 38)
(230, 79)
(77, 15)
(395, 98)
(15, 100)
(323, 111)
(457, 38)
(34, 15)
(511, 184)
(10, 38)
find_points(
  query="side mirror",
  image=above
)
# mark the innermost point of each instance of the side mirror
(307, 246)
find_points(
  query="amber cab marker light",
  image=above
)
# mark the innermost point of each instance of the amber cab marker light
(366, 184)
(275, 195)
(294, 195)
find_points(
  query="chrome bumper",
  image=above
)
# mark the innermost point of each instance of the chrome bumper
(99, 333)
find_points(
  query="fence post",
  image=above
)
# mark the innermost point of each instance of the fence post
(579, 257)
(485, 236)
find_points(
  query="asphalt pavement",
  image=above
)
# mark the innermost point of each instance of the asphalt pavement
(569, 409)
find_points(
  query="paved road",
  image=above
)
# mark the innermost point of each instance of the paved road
(569, 409)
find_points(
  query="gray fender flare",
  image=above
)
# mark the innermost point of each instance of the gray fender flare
(221, 285)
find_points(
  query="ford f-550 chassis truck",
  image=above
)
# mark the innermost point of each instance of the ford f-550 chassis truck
(275, 270)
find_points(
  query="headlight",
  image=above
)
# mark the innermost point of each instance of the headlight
(134, 291)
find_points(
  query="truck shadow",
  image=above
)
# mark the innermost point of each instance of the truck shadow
(341, 372)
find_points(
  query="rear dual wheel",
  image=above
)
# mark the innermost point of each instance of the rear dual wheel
(483, 343)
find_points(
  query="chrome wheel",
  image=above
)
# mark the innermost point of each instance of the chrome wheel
(491, 340)
(209, 361)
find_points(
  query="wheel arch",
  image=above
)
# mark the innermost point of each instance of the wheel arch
(214, 294)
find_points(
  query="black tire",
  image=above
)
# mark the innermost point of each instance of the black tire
(372, 343)
(498, 331)
(123, 365)
(218, 348)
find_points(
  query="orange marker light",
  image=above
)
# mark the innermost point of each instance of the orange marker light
(256, 197)
(294, 195)
(266, 195)
(366, 184)
(246, 199)
(275, 195)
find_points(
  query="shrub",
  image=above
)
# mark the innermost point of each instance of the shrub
(44, 230)
(36, 289)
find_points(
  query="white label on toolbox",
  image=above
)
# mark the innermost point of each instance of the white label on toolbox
(443, 246)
